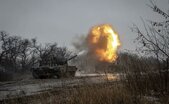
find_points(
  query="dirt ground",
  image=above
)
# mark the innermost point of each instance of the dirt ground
(15, 89)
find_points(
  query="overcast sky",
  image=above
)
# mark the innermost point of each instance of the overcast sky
(61, 20)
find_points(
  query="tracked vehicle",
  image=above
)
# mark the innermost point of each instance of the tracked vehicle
(54, 68)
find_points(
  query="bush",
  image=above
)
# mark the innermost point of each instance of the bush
(5, 76)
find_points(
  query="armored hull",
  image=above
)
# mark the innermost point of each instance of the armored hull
(61, 71)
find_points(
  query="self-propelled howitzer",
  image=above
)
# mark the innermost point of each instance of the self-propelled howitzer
(54, 67)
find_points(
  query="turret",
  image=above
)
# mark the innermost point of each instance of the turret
(64, 61)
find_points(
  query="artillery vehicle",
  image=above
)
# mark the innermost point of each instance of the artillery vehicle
(54, 67)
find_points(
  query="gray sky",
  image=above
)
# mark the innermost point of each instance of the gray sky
(61, 20)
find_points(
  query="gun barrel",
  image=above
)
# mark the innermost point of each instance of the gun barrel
(72, 57)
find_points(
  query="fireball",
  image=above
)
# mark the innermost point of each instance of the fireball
(103, 43)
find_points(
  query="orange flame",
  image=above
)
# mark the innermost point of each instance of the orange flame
(103, 42)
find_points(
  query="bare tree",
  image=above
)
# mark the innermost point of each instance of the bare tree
(10, 49)
(155, 39)
(19, 54)
(16, 52)
(50, 53)
(25, 53)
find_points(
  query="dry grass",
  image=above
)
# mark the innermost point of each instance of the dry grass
(104, 94)
(137, 88)
(108, 93)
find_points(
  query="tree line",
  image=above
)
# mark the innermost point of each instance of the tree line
(20, 54)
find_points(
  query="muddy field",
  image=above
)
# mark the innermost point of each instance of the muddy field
(15, 89)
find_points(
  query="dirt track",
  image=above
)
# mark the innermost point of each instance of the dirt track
(14, 89)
